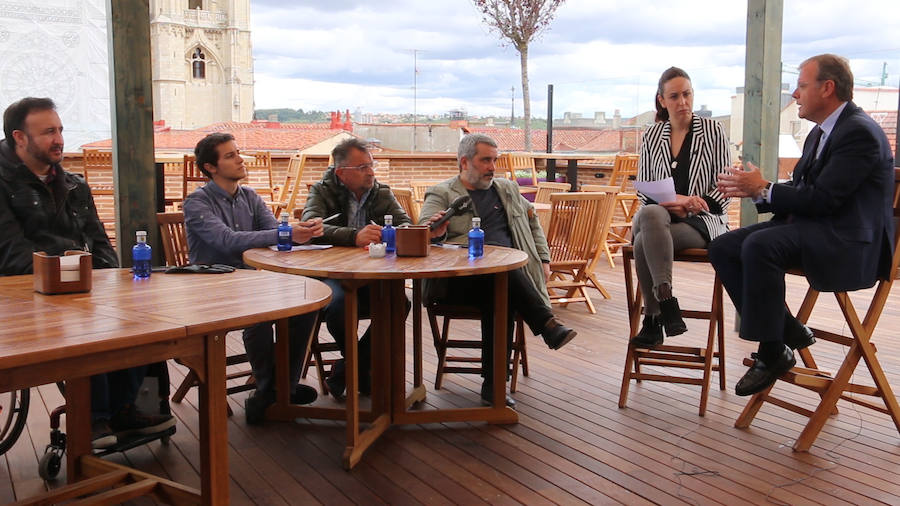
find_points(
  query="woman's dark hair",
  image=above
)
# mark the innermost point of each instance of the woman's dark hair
(206, 150)
(671, 73)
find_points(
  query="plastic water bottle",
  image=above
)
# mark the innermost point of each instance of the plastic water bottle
(476, 239)
(140, 256)
(389, 234)
(285, 234)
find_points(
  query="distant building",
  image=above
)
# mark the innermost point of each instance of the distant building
(202, 61)
(878, 102)
(58, 50)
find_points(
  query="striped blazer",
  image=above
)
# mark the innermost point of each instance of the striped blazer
(710, 155)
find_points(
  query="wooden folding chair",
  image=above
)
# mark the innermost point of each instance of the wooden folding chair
(289, 191)
(545, 188)
(316, 356)
(578, 226)
(419, 188)
(831, 388)
(679, 357)
(259, 175)
(98, 174)
(443, 343)
(612, 239)
(405, 198)
(174, 238)
(191, 174)
(175, 247)
(510, 163)
(623, 175)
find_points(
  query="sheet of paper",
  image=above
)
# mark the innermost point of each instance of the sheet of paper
(661, 191)
(304, 247)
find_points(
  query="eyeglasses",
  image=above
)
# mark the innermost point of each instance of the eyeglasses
(362, 168)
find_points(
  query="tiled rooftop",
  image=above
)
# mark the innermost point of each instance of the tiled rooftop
(256, 135)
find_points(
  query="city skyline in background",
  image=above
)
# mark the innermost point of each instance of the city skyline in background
(600, 57)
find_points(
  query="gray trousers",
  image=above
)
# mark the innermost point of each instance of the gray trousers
(260, 346)
(656, 239)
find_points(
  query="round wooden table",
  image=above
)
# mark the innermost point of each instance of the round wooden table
(386, 275)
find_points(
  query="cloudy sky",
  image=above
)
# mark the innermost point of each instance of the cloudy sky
(601, 55)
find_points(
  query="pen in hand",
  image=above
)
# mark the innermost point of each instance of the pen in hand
(333, 216)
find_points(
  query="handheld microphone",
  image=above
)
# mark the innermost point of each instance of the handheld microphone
(459, 205)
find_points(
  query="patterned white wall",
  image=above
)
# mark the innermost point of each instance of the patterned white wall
(58, 49)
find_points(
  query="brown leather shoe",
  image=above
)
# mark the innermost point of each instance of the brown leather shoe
(557, 335)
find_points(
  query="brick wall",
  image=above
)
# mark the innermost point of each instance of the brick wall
(393, 169)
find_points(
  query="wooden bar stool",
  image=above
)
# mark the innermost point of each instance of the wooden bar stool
(705, 358)
(442, 343)
(832, 388)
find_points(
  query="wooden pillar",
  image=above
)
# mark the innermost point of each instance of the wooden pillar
(762, 92)
(131, 102)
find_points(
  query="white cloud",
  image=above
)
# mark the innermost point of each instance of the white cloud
(600, 56)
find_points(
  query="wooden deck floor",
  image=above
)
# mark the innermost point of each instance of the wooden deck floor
(572, 444)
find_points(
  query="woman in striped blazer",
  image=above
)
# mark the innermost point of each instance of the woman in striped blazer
(692, 151)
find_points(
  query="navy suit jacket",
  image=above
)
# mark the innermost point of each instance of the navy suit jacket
(842, 203)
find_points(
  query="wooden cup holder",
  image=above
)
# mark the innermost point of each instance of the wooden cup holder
(413, 241)
(53, 275)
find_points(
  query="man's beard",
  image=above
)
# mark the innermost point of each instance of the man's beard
(476, 181)
(43, 156)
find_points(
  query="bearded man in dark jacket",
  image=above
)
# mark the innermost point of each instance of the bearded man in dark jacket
(44, 208)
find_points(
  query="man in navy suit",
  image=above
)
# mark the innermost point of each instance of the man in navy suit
(833, 220)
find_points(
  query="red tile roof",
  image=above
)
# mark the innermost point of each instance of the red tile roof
(257, 135)
(513, 139)
(888, 121)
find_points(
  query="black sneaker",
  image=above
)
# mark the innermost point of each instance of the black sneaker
(335, 381)
(651, 333)
(304, 394)
(255, 406)
(487, 397)
(129, 421)
(557, 335)
(670, 317)
(102, 435)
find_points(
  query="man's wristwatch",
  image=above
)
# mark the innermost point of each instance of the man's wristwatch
(764, 194)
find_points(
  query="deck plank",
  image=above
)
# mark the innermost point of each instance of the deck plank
(573, 445)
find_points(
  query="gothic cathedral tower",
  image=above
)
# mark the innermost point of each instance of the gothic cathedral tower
(202, 62)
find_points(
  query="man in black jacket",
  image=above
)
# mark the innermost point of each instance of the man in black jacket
(44, 208)
(350, 190)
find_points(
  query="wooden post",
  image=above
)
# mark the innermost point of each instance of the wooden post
(131, 102)
(762, 92)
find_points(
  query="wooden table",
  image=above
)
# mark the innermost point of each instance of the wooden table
(571, 170)
(386, 276)
(125, 323)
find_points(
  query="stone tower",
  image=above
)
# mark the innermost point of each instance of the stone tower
(202, 62)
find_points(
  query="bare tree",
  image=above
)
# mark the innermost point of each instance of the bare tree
(519, 22)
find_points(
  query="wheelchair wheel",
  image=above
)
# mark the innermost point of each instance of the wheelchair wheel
(48, 467)
(13, 414)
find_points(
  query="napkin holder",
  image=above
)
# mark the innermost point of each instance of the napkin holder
(413, 241)
(54, 274)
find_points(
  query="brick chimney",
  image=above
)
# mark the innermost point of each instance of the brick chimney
(348, 125)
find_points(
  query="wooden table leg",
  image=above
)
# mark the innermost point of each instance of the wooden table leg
(358, 441)
(213, 423)
(501, 299)
(282, 363)
(417, 336)
(78, 425)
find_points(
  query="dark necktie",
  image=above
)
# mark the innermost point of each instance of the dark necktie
(809, 163)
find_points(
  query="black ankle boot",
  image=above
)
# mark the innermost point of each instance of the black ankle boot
(670, 317)
(651, 333)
